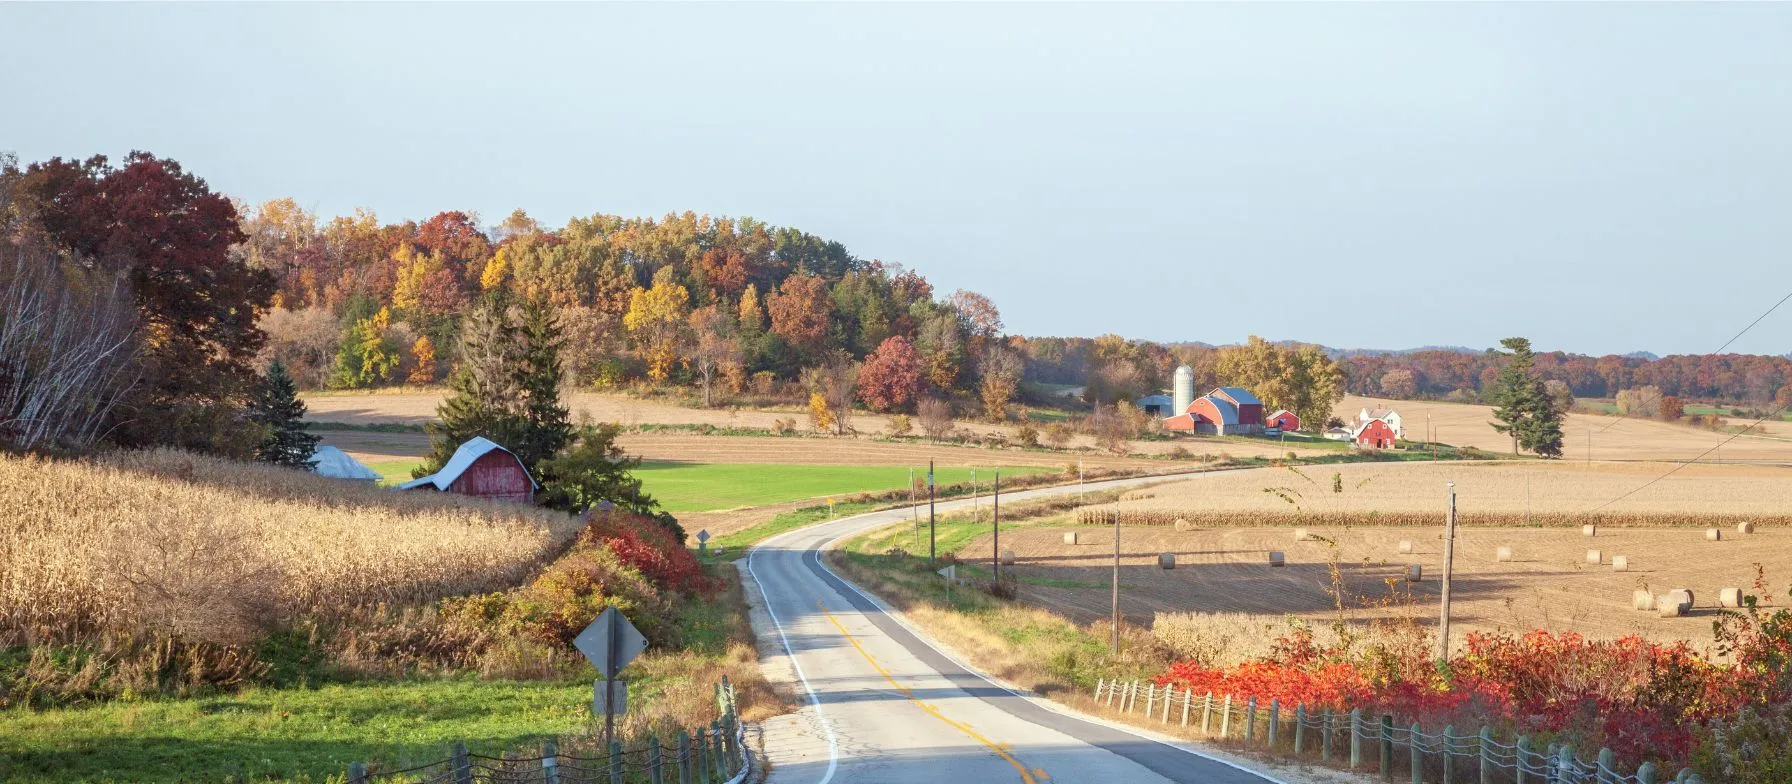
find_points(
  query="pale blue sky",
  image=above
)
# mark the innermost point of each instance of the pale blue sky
(1599, 177)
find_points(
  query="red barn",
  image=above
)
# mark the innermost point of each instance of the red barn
(1284, 421)
(1374, 434)
(1224, 411)
(482, 469)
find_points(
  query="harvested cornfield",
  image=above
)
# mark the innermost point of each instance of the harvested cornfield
(213, 549)
(1528, 493)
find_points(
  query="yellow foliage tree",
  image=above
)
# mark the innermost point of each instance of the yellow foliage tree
(413, 269)
(656, 319)
(821, 416)
(497, 271)
(423, 369)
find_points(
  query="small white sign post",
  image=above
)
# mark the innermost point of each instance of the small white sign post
(609, 643)
(951, 575)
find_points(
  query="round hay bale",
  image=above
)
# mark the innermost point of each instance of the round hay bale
(1007, 557)
(1406, 545)
(1276, 558)
(1503, 555)
(1745, 528)
(1595, 556)
(1714, 534)
(1070, 537)
(1666, 607)
(1620, 563)
(1589, 530)
(1166, 560)
(1415, 573)
(1683, 596)
(1642, 600)
(1300, 535)
(1182, 524)
(1729, 597)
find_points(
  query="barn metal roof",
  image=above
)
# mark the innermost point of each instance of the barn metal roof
(336, 464)
(463, 459)
(1240, 396)
(1228, 412)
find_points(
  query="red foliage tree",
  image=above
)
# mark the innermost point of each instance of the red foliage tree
(726, 270)
(799, 311)
(891, 376)
(198, 306)
(454, 235)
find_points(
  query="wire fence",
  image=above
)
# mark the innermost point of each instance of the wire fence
(716, 754)
(1361, 742)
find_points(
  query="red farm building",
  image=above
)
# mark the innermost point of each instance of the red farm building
(482, 469)
(1283, 420)
(1374, 434)
(1222, 412)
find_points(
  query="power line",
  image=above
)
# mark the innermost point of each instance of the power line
(1720, 349)
(1738, 434)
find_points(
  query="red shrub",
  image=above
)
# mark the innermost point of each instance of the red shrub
(649, 548)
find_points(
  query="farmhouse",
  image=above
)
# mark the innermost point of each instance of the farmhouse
(1283, 420)
(1224, 411)
(1337, 433)
(481, 468)
(1373, 434)
(1388, 415)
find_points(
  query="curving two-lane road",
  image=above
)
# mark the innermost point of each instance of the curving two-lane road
(885, 705)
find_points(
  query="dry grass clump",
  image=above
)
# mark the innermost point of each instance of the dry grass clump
(170, 543)
(1217, 639)
(1488, 494)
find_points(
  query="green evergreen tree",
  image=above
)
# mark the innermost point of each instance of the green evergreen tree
(545, 429)
(482, 388)
(276, 406)
(1525, 411)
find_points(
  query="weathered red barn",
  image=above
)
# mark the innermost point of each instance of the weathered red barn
(1284, 420)
(1224, 411)
(483, 469)
(1374, 434)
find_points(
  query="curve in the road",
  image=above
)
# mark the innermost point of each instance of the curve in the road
(1168, 761)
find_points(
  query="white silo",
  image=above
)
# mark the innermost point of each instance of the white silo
(1184, 388)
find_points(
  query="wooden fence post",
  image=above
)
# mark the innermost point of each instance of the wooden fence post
(1207, 715)
(1449, 753)
(357, 773)
(1098, 685)
(1607, 765)
(684, 757)
(1564, 763)
(1485, 746)
(653, 761)
(1275, 720)
(461, 767)
(700, 750)
(1300, 728)
(615, 762)
(1250, 719)
(1524, 747)
(1150, 698)
(1356, 738)
(1645, 774)
(1415, 754)
(550, 762)
(1188, 698)
(1169, 694)
(722, 766)
(1325, 736)
(1226, 718)
(1387, 747)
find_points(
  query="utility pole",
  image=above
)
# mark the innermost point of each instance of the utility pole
(914, 511)
(1116, 617)
(932, 541)
(995, 525)
(976, 507)
(1443, 627)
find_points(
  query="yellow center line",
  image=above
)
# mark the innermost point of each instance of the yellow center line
(1001, 749)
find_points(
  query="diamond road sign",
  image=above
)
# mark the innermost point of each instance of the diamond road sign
(703, 536)
(610, 643)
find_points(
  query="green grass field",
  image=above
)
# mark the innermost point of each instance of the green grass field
(394, 471)
(703, 487)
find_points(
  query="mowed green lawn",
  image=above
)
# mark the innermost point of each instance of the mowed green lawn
(286, 735)
(705, 487)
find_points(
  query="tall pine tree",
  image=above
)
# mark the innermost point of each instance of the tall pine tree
(506, 387)
(545, 428)
(276, 406)
(1525, 409)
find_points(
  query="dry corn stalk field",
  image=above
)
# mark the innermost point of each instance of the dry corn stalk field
(137, 541)
(1508, 493)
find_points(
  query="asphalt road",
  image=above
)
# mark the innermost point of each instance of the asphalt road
(885, 705)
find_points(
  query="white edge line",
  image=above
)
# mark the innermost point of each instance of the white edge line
(833, 745)
(991, 680)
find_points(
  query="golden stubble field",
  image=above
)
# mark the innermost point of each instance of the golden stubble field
(1612, 438)
(1550, 584)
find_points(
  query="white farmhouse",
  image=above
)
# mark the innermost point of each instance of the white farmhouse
(1388, 415)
